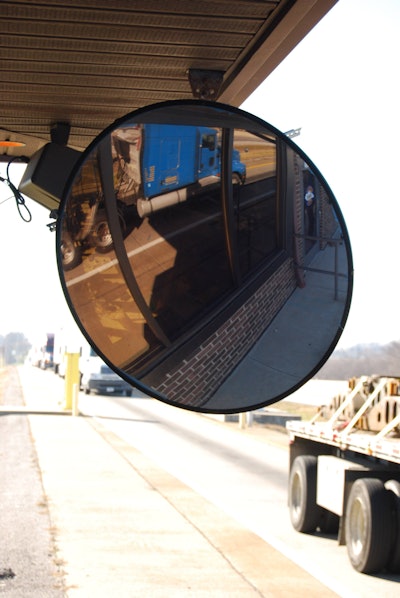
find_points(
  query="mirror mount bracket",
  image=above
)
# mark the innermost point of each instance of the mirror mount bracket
(59, 132)
(205, 84)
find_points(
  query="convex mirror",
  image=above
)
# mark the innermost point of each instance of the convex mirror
(204, 256)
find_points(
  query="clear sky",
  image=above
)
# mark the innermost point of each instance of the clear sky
(31, 298)
(341, 86)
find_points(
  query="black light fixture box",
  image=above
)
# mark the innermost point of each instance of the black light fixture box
(47, 173)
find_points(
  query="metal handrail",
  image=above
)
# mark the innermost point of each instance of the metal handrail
(335, 273)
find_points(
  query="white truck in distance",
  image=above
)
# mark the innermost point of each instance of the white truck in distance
(98, 377)
(95, 375)
(345, 473)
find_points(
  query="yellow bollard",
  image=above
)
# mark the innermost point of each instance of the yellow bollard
(242, 421)
(75, 400)
(72, 380)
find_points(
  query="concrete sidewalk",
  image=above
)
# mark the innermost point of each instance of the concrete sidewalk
(124, 527)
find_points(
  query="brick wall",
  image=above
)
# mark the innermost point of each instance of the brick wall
(196, 378)
(298, 218)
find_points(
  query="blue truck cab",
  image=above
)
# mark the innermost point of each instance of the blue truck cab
(174, 157)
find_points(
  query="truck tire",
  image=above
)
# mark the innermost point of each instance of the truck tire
(101, 231)
(368, 525)
(305, 514)
(393, 487)
(236, 179)
(71, 254)
(102, 235)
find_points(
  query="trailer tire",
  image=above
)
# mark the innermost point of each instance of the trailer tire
(305, 514)
(393, 487)
(368, 525)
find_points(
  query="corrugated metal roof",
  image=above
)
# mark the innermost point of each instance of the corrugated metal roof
(92, 61)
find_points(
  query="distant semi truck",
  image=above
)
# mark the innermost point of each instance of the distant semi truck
(41, 354)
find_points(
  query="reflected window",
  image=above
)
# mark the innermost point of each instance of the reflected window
(184, 269)
(255, 203)
(208, 141)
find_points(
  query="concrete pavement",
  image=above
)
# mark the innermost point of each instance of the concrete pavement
(28, 567)
(124, 527)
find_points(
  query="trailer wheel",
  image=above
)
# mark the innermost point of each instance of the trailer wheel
(393, 565)
(305, 514)
(368, 525)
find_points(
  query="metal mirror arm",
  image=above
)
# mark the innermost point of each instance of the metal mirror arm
(106, 174)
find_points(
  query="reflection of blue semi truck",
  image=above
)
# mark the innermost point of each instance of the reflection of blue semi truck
(177, 161)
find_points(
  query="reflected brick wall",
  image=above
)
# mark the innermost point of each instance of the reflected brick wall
(198, 377)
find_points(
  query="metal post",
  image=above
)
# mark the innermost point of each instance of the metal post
(242, 421)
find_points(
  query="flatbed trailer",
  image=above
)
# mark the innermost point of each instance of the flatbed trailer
(345, 473)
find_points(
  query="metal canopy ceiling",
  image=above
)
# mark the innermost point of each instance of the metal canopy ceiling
(89, 62)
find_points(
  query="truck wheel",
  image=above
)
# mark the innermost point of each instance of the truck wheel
(393, 565)
(368, 525)
(102, 234)
(71, 254)
(305, 514)
(236, 180)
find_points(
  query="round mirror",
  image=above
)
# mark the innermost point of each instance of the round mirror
(204, 256)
